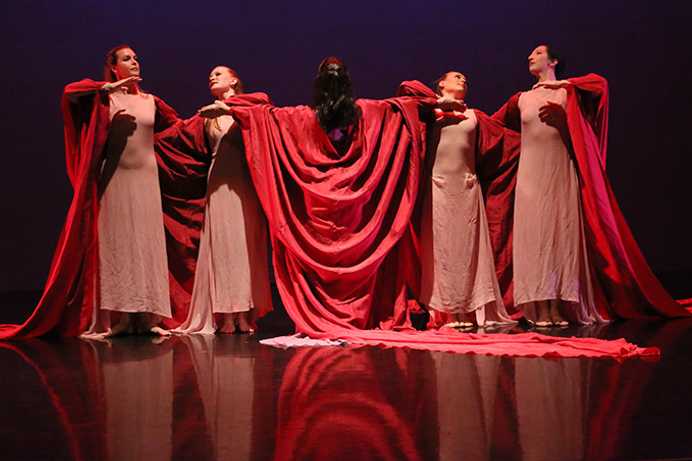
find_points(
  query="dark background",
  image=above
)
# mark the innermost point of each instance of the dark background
(642, 47)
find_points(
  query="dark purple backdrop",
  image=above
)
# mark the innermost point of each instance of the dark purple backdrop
(642, 47)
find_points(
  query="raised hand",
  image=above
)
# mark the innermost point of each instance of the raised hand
(112, 86)
(552, 84)
(448, 104)
(553, 114)
(214, 110)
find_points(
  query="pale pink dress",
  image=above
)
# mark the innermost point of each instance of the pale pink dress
(133, 269)
(232, 269)
(458, 270)
(549, 247)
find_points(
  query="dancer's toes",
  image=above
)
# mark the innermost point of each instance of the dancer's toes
(157, 330)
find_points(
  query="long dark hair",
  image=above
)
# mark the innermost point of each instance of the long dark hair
(333, 95)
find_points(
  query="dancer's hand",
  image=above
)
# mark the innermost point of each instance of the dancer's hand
(112, 86)
(553, 114)
(552, 84)
(214, 110)
(448, 104)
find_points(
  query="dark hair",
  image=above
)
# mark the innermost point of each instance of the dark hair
(111, 59)
(333, 97)
(553, 53)
(436, 83)
(239, 88)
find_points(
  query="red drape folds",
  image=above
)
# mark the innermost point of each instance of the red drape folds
(67, 302)
(337, 223)
(336, 219)
(624, 285)
(183, 160)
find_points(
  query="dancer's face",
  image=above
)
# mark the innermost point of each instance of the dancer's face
(126, 64)
(454, 84)
(221, 80)
(539, 61)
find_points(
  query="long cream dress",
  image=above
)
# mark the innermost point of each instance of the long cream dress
(549, 247)
(133, 269)
(232, 270)
(458, 271)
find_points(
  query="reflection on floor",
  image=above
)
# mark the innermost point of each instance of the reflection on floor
(228, 397)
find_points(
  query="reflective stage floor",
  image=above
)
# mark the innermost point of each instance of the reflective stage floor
(230, 398)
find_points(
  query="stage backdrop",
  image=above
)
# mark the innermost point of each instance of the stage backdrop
(642, 47)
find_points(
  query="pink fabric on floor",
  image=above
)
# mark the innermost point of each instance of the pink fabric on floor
(497, 344)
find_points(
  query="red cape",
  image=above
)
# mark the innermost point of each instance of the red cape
(67, 302)
(335, 220)
(624, 285)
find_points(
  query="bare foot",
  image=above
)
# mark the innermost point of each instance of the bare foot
(123, 326)
(467, 320)
(543, 315)
(555, 315)
(101, 337)
(228, 325)
(157, 330)
(451, 325)
(243, 324)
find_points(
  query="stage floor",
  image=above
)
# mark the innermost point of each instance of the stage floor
(228, 397)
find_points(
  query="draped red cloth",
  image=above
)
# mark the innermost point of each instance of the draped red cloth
(67, 302)
(338, 224)
(624, 285)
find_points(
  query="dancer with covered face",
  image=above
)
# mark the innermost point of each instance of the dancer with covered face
(111, 256)
(232, 274)
(574, 257)
(458, 281)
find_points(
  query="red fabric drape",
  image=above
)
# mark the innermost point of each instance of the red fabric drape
(624, 285)
(335, 220)
(67, 302)
(337, 223)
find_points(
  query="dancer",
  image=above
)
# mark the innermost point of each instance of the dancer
(111, 256)
(574, 258)
(458, 279)
(232, 275)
